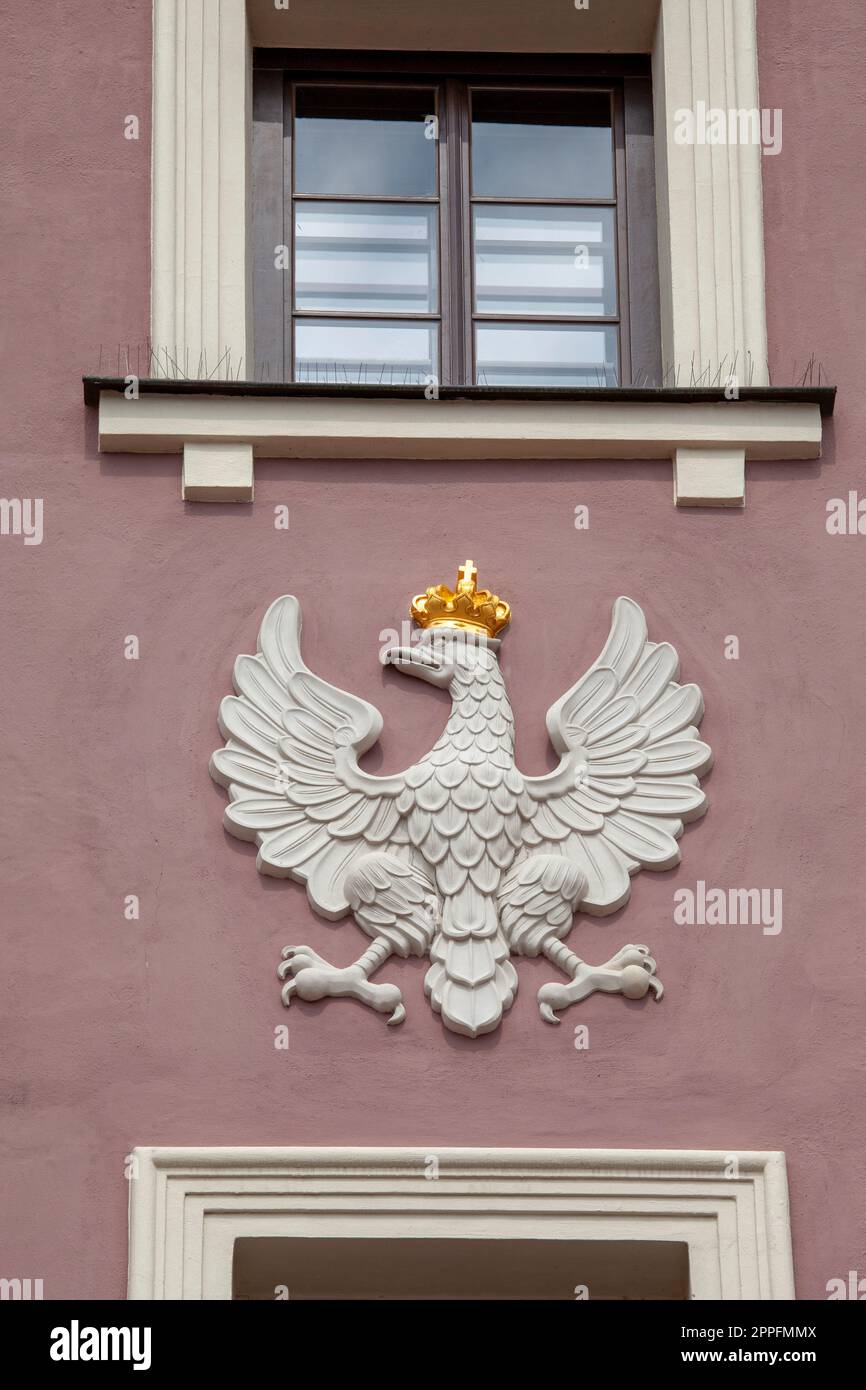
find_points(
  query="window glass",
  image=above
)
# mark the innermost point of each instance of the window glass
(544, 260)
(374, 257)
(365, 140)
(538, 355)
(541, 144)
(366, 351)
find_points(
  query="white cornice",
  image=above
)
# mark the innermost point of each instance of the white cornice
(708, 442)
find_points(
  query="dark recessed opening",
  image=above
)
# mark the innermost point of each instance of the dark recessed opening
(268, 1268)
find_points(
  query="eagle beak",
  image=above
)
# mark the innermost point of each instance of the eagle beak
(423, 662)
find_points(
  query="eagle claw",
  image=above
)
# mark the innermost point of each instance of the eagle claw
(313, 978)
(630, 972)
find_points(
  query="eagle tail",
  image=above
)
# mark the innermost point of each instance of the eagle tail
(471, 980)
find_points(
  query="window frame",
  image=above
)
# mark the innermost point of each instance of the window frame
(452, 77)
(189, 1205)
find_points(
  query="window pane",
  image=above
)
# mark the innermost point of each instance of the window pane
(540, 144)
(365, 140)
(533, 260)
(535, 355)
(373, 353)
(366, 256)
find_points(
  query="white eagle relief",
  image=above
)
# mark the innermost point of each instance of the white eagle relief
(462, 857)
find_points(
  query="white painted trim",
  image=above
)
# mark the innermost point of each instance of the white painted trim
(217, 473)
(354, 427)
(710, 477)
(709, 198)
(188, 1206)
(358, 428)
(200, 286)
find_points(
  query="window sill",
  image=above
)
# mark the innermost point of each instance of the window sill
(220, 427)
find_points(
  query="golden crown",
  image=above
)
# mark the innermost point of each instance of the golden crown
(467, 607)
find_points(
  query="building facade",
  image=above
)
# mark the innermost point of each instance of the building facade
(357, 292)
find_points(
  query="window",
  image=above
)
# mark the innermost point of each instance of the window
(415, 229)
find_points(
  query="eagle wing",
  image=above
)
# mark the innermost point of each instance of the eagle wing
(290, 764)
(631, 756)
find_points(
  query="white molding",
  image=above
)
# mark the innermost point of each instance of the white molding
(354, 427)
(189, 1205)
(357, 428)
(710, 477)
(709, 198)
(200, 294)
(217, 473)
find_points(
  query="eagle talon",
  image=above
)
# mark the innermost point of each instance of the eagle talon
(630, 972)
(313, 978)
(290, 960)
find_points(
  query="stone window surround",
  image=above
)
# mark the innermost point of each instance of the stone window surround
(189, 1205)
(711, 268)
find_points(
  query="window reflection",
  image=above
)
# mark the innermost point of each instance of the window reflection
(371, 353)
(365, 140)
(536, 355)
(541, 144)
(366, 257)
(534, 260)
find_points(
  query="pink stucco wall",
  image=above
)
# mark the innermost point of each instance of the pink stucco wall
(117, 1033)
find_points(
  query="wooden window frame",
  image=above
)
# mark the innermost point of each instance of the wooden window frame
(452, 78)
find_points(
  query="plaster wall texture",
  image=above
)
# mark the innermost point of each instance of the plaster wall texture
(161, 1031)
